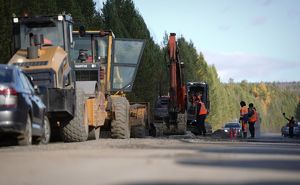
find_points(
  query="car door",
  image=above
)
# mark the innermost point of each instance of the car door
(37, 105)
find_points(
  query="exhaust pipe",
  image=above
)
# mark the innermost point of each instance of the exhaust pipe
(36, 42)
(32, 52)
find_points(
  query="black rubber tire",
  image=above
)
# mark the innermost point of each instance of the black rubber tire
(120, 128)
(45, 138)
(75, 130)
(47, 131)
(138, 131)
(94, 133)
(26, 138)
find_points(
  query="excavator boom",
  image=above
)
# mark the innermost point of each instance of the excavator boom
(177, 87)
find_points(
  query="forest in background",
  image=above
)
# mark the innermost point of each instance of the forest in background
(121, 16)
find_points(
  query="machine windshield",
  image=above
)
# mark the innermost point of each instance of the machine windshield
(126, 58)
(127, 51)
(51, 34)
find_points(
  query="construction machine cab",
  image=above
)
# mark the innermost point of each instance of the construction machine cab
(42, 31)
(99, 56)
(47, 40)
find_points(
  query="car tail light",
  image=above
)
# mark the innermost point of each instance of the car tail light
(8, 98)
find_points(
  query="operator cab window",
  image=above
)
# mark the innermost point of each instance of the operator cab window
(82, 51)
(50, 33)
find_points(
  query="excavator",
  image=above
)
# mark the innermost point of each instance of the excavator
(170, 111)
(175, 113)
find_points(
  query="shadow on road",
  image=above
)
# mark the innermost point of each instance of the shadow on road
(6, 141)
(208, 183)
(290, 164)
(255, 149)
(286, 165)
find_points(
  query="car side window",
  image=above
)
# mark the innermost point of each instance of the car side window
(18, 80)
(29, 83)
(25, 83)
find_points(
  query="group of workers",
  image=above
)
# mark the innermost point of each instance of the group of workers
(248, 116)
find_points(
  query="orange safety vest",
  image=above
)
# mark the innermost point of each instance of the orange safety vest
(253, 118)
(256, 115)
(243, 111)
(203, 110)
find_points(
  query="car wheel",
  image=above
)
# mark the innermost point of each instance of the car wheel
(46, 131)
(26, 138)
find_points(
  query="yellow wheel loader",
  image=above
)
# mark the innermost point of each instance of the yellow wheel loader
(41, 47)
(105, 69)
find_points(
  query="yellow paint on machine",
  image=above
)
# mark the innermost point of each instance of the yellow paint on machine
(89, 105)
(95, 113)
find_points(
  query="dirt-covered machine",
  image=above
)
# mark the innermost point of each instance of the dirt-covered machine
(105, 69)
(41, 47)
(176, 112)
(170, 111)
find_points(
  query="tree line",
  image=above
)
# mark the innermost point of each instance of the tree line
(121, 16)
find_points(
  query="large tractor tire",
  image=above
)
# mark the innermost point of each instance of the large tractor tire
(120, 128)
(75, 130)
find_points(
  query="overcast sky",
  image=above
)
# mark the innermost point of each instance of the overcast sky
(253, 40)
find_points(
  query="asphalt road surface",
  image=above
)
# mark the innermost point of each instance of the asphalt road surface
(269, 160)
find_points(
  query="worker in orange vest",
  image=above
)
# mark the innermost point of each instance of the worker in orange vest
(252, 118)
(201, 115)
(257, 123)
(244, 118)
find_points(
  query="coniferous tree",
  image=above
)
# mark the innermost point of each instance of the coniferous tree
(121, 16)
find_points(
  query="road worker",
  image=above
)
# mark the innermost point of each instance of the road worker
(290, 124)
(252, 118)
(257, 123)
(244, 118)
(201, 115)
